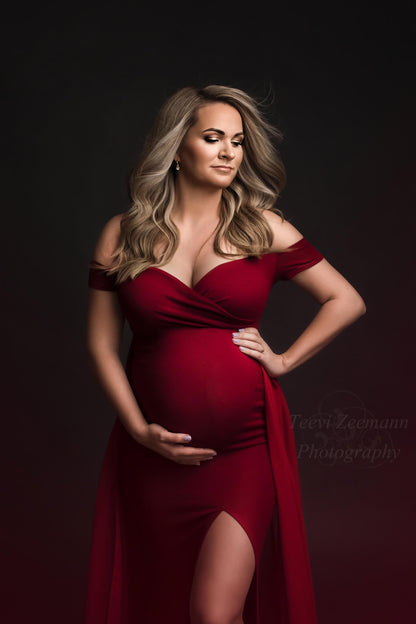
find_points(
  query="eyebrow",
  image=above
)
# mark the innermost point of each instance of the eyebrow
(220, 131)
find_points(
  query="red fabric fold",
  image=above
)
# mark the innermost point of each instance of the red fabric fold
(287, 539)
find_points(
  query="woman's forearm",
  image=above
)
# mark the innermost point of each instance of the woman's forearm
(333, 316)
(110, 374)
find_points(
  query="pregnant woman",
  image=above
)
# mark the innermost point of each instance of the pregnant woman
(198, 516)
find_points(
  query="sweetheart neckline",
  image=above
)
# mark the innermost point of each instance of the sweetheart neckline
(194, 287)
(208, 273)
(217, 266)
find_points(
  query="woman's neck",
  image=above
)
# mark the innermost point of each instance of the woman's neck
(196, 204)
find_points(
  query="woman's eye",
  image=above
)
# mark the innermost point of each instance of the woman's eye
(214, 140)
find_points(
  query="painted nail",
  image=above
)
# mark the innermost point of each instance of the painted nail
(235, 334)
(241, 329)
(187, 438)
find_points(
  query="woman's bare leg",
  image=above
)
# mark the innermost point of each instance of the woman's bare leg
(223, 573)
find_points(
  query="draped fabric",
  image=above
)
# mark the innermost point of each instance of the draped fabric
(151, 514)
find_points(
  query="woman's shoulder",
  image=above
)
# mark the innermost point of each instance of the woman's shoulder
(284, 233)
(108, 240)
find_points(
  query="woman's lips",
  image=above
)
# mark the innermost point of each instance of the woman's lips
(223, 168)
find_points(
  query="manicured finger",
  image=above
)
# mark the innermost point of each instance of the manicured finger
(250, 350)
(197, 453)
(248, 344)
(184, 437)
(194, 455)
(175, 438)
(252, 346)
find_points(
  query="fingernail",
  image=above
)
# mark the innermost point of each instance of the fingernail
(187, 438)
(241, 329)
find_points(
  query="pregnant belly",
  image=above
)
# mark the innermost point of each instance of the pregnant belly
(197, 381)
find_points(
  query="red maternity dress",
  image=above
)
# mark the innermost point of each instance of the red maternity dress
(151, 514)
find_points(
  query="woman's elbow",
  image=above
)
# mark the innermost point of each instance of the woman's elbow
(361, 307)
(350, 307)
(357, 307)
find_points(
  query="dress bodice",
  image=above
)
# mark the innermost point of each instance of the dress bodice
(232, 293)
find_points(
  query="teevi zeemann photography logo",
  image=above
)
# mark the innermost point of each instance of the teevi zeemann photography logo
(344, 432)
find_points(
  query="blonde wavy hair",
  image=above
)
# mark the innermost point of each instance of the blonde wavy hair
(256, 186)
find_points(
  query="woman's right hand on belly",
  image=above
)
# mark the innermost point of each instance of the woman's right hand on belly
(174, 446)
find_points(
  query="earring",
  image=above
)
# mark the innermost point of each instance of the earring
(178, 166)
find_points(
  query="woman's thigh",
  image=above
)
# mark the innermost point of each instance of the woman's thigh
(223, 573)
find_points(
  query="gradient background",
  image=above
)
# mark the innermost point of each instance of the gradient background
(82, 85)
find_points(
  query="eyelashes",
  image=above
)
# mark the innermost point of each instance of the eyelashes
(214, 140)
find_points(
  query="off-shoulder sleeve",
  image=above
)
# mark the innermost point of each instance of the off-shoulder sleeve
(98, 279)
(296, 258)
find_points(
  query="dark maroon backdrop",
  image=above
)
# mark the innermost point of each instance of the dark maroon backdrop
(82, 86)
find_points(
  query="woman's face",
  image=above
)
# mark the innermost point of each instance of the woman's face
(212, 151)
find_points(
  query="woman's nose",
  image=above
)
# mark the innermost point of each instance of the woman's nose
(227, 151)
